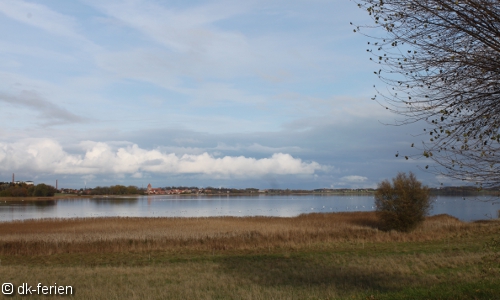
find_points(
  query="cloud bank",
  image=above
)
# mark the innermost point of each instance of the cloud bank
(48, 156)
(46, 109)
(354, 178)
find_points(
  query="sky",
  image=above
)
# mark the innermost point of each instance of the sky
(263, 94)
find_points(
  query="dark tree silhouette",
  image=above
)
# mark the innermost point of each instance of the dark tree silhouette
(440, 60)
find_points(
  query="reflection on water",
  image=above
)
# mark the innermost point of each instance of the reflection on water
(115, 201)
(210, 206)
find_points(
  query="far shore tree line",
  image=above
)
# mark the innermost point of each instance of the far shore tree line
(25, 190)
(8, 189)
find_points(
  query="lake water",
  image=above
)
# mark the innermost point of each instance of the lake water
(466, 209)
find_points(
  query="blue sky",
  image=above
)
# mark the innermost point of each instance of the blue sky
(266, 94)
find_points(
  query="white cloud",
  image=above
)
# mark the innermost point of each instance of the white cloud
(137, 175)
(354, 178)
(47, 156)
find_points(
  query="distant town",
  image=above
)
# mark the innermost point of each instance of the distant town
(29, 189)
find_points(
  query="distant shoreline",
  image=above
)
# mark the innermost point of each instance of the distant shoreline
(434, 192)
(72, 196)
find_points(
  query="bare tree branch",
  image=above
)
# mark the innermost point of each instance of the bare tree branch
(441, 60)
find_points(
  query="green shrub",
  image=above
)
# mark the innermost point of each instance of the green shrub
(5, 193)
(402, 205)
(43, 190)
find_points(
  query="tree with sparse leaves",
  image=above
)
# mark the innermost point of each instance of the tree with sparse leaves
(403, 205)
(440, 60)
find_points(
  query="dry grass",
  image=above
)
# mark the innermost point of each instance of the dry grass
(98, 235)
(314, 256)
(323, 276)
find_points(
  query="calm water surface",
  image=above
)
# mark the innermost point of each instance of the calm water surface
(466, 209)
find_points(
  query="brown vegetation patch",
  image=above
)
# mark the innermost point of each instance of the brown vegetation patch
(94, 235)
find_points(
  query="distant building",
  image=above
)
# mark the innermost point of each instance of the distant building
(155, 191)
(29, 182)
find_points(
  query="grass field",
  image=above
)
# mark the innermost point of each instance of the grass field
(314, 256)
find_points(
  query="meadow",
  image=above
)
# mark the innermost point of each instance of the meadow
(312, 256)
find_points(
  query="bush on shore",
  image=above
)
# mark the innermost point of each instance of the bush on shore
(403, 205)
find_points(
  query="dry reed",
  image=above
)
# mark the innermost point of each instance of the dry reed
(101, 235)
(314, 256)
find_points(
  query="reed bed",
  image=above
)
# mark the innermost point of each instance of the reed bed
(313, 256)
(98, 235)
